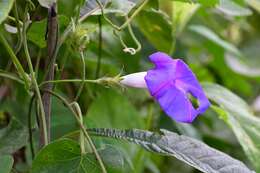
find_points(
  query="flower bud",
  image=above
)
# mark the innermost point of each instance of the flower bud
(134, 80)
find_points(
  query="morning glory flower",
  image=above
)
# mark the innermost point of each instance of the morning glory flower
(171, 82)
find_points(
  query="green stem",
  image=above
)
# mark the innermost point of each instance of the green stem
(16, 62)
(70, 80)
(83, 76)
(36, 87)
(30, 126)
(127, 21)
(99, 46)
(10, 76)
(81, 135)
(68, 105)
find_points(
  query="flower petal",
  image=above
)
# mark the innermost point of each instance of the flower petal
(176, 104)
(186, 80)
(170, 82)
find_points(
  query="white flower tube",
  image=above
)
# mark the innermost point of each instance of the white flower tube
(134, 80)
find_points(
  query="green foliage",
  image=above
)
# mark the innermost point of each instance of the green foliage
(159, 31)
(64, 156)
(236, 113)
(188, 150)
(13, 137)
(6, 163)
(218, 39)
(5, 7)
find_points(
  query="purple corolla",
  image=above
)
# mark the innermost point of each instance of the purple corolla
(170, 82)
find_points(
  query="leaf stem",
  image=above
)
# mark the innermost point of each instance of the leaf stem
(83, 76)
(16, 62)
(35, 87)
(70, 80)
(10, 76)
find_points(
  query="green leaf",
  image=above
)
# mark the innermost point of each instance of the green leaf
(119, 7)
(248, 64)
(237, 114)
(5, 7)
(254, 4)
(231, 8)
(6, 163)
(112, 109)
(64, 156)
(159, 31)
(191, 151)
(210, 35)
(62, 120)
(202, 2)
(13, 137)
(69, 8)
(182, 12)
(37, 31)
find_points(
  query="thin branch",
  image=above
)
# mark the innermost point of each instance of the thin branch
(16, 62)
(99, 46)
(70, 81)
(35, 86)
(30, 126)
(83, 76)
(119, 28)
(10, 76)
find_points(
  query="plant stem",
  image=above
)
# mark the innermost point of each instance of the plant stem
(30, 126)
(83, 76)
(99, 46)
(70, 80)
(52, 37)
(43, 129)
(68, 105)
(16, 62)
(10, 76)
(127, 21)
(81, 135)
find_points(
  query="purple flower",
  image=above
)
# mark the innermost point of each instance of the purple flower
(170, 82)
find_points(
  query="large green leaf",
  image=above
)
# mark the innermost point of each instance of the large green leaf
(64, 156)
(182, 12)
(203, 2)
(112, 109)
(119, 7)
(237, 114)
(254, 4)
(232, 8)
(6, 163)
(209, 34)
(249, 63)
(159, 31)
(62, 120)
(191, 151)
(37, 31)
(5, 7)
(13, 137)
